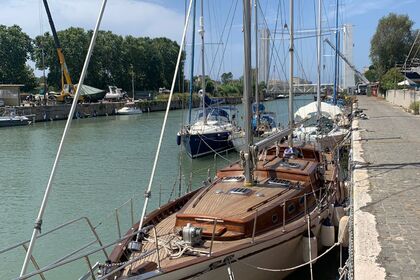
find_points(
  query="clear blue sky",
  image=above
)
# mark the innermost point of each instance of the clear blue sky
(164, 18)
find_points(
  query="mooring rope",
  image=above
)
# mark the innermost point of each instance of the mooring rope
(289, 268)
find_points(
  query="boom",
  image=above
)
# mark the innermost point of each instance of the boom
(360, 75)
(65, 75)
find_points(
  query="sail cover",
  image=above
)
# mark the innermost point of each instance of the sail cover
(88, 90)
(310, 110)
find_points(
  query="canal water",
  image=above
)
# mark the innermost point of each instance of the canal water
(105, 162)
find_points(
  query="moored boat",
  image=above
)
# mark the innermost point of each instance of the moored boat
(10, 118)
(252, 218)
(14, 121)
(130, 108)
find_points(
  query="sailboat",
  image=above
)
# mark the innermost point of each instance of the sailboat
(259, 215)
(213, 125)
(130, 108)
(325, 123)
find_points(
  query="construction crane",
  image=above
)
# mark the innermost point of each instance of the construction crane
(365, 82)
(67, 87)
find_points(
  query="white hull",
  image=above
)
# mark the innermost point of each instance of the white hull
(238, 140)
(278, 250)
(129, 111)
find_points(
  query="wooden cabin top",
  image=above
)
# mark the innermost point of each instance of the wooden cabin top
(233, 207)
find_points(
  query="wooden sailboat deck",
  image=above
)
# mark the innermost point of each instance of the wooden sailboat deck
(231, 215)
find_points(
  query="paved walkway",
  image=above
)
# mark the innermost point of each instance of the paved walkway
(387, 192)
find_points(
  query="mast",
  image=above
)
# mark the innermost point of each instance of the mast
(203, 77)
(257, 96)
(336, 56)
(247, 91)
(291, 51)
(318, 45)
(192, 62)
(132, 80)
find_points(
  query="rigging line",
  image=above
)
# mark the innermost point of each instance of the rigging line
(222, 35)
(210, 49)
(213, 150)
(299, 61)
(164, 123)
(411, 49)
(38, 222)
(275, 31)
(289, 268)
(228, 36)
(415, 55)
(275, 49)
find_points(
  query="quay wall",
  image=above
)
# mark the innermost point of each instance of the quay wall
(402, 97)
(61, 111)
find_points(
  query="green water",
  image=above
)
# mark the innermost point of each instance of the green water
(105, 162)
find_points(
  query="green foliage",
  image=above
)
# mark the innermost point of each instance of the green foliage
(391, 79)
(152, 60)
(415, 107)
(15, 49)
(391, 42)
(234, 88)
(226, 78)
(371, 74)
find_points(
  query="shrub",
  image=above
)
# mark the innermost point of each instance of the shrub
(415, 107)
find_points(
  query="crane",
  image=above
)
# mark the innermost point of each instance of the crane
(357, 72)
(67, 87)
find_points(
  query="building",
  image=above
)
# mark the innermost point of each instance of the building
(348, 73)
(10, 94)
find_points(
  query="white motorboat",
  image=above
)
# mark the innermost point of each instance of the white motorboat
(115, 93)
(11, 119)
(130, 108)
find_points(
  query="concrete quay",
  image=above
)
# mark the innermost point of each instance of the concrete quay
(386, 192)
(61, 111)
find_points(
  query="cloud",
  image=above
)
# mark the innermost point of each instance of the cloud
(124, 17)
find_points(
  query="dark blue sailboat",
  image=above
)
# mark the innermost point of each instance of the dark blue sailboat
(211, 130)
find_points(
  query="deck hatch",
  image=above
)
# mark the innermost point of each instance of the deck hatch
(240, 191)
(279, 182)
(232, 179)
(288, 164)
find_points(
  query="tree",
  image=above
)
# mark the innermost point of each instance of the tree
(15, 49)
(226, 78)
(391, 79)
(371, 74)
(391, 42)
(153, 60)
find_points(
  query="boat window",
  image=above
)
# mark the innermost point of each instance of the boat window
(301, 201)
(233, 179)
(279, 182)
(240, 191)
(291, 208)
(288, 164)
(275, 218)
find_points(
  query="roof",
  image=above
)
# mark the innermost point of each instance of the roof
(11, 85)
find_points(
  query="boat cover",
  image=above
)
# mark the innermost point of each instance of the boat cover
(310, 110)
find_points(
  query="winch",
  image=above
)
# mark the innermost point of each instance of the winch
(192, 235)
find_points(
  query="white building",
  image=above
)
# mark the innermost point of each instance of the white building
(348, 73)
